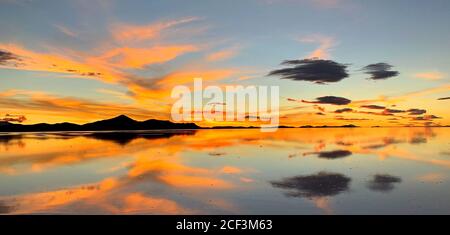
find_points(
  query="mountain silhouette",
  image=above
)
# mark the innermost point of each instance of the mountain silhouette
(121, 122)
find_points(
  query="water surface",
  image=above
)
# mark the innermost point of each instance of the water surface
(291, 171)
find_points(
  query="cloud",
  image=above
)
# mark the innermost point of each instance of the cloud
(372, 107)
(66, 31)
(323, 4)
(326, 3)
(416, 111)
(325, 45)
(13, 118)
(334, 100)
(351, 119)
(137, 58)
(393, 111)
(444, 98)
(432, 76)
(136, 33)
(7, 57)
(321, 109)
(380, 71)
(43, 105)
(383, 183)
(344, 110)
(312, 70)
(223, 54)
(322, 184)
(426, 118)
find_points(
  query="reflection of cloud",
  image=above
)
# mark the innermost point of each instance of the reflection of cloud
(344, 110)
(217, 154)
(322, 184)
(331, 154)
(418, 140)
(230, 170)
(335, 154)
(383, 183)
(312, 70)
(380, 71)
(432, 178)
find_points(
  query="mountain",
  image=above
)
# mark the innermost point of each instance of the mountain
(121, 122)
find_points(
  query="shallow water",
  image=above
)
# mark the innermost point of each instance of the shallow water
(291, 171)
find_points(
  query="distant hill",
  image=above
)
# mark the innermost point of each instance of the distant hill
(121, 122)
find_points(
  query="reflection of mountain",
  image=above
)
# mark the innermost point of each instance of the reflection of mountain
(383, 183)
(118, 137)
(124, 138)
(121, 122)
(322, 184)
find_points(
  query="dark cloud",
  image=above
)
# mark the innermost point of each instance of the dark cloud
(386, 142)
(329, 100)
(6, 56)
(372, 107)
(322, 184)
(334, 154)
(13, 118)
(320, 114)
(351, 119)
(391, 111)
(444, 98)
(380, 71)
(416, 111)
(321, 109)
(217, 154)
(418, 140)
(384, 113)
(312, 70)
(383, 183)
(344, 110)
(5, 209)
(426, 118)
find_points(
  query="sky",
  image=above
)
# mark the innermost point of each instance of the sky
(337, 62)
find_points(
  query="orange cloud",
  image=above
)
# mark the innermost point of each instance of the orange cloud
(325, 45)
(128, 32)
(137, 58)
(223, 54)
(44, 107)
(432, 76)
(48, 62)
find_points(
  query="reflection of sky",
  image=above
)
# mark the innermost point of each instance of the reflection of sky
(254, 172)
(234, 44)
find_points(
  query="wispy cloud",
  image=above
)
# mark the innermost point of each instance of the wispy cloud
(223, 54)
(326, 44)
(129, 32)
(431, 76)
(66, 31)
